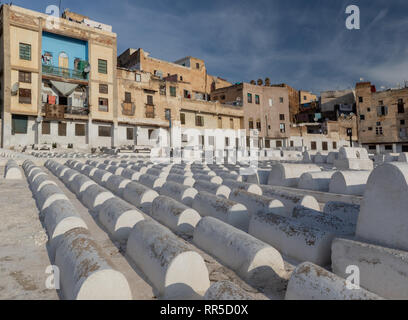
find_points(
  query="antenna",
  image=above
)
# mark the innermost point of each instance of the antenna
(60, 6)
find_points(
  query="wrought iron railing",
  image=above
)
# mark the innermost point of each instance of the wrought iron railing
(64, 72)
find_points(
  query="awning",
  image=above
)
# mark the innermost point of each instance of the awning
(65, 88)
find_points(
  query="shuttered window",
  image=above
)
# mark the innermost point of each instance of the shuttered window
(102, 66)
(80, 129)
(46, 127)
(19, 124)
(199, 121)
(25, 51)
(24, 96)
(129, 133)
(104, 131)
(173, 91)
(103, 88)
(24, 77)
(128, 97)
(62, 129)
(183, 118)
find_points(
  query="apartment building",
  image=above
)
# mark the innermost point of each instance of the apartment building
(266, 112)
(382, 118)
(58, 80)
(336, 102)
(152, 107)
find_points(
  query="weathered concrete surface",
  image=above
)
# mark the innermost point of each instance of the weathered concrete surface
(23, 253)
(383, 271)
(383, 216)
(226, 290)
(311, 282)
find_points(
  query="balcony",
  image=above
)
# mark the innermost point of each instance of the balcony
(54, 111)
(64, 73)
(128, 109)
(150, 111)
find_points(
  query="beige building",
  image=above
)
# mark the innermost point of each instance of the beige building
(324, 136)
(266, 110)
(382, 118)
(58, 80)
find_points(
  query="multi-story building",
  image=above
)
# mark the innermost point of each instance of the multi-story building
(294, 100)
(58, 79)
(337, 102)
(151, 106)
(266, 110)
(324, 136)
(382, 118)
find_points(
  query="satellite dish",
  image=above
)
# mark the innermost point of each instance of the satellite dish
(14, 88)
(87, 69)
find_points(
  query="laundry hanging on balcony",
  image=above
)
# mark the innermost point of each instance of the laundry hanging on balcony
(63, 87)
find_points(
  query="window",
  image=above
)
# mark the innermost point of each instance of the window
(251, 124)
(282, 117)
(334, 145)
(187, 94)
(258, 124)
(25, 51)
(19, 124)
(173, 91)
(184, 138)
(197, 66)
(372, 147)
(378, 131)
(381, 103)
(402, 122)
(382, 111)
(24, 77)
(24, 96)
(62, 129)
(281, 100)
(231, 123)
(370, 128)
(46, 128)
(150, 100)
(150, 112)
(182, 118)
(129, 133)
(278, 144)
(360, 99)
(304, 98)
(103, 104)
(368, 109)
(181, 78)
(163, 90)
(325, 146)
(249, 97)
(362, 117)
(401, 106)
(211, 140)
(378, 123)
(103, 88)
(199, 121)
(257, 99)
(102, 66)
(150, 133)
(270, 102)
(104, 131)
(167, 114)
(267, 143)
(80, 129)
(388, 147)
(282, 128)
(223, 97)
(313, 145)
(219, 122)
(128, 97)
(138, 77)
(291, 143)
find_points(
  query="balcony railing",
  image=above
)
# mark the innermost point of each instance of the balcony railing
(64, 72)
(54, 111)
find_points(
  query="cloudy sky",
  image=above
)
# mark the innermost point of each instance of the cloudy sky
(304, 43)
